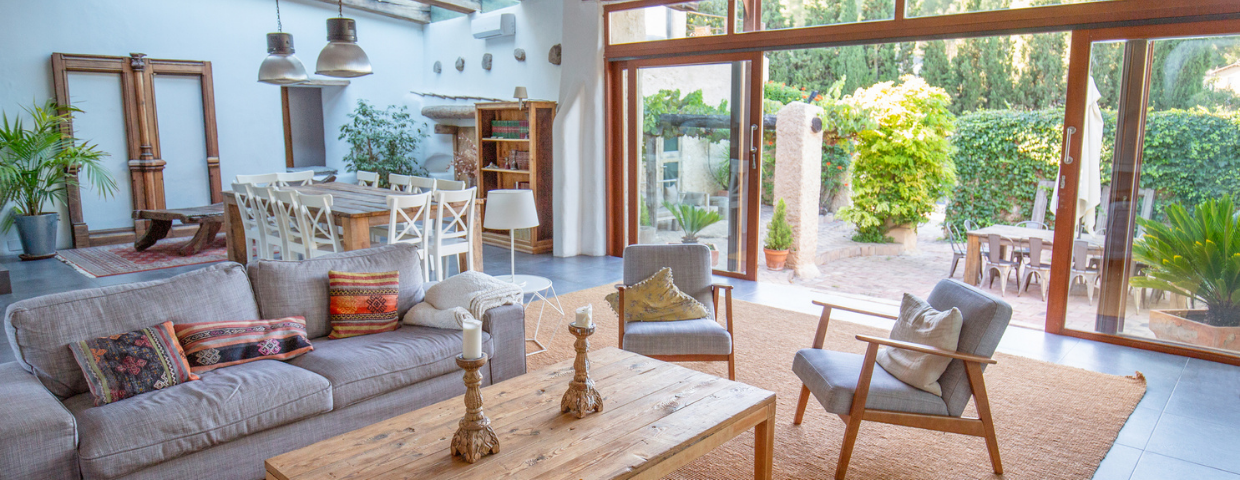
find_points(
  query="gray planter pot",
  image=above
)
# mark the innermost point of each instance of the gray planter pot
(38, 235)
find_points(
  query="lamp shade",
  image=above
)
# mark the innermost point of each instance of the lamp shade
(281, 67)
(520, 94)
(342, 58)
(510, 210)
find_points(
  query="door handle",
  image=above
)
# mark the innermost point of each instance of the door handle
(1067, 146)
(753, 146)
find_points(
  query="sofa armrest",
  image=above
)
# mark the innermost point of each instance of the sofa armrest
(38, 437)
(506, 325)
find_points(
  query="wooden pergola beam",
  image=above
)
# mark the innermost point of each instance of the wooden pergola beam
(399, 11)
(462, 6)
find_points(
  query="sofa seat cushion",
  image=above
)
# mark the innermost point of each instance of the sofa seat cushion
(226, 404)
(369, 365)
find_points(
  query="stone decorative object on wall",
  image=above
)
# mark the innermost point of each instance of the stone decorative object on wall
(519, 54)
(798, 170)
(438, 68)
(554, 56)
(486, 61)
(460, 64)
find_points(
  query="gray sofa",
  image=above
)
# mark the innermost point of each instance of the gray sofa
(226, 424)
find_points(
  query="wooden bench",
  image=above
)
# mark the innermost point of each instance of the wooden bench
(209, 219)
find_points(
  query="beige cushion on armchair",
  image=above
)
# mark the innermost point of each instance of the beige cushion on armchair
(921, 324)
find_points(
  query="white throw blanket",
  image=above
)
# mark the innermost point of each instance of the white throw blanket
(466, 296)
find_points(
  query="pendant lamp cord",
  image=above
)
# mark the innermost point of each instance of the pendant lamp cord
(340, 5)
(279, 25)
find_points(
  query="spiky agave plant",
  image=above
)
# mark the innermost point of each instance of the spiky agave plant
(692, 219)
(1195, 255)
(38, 160)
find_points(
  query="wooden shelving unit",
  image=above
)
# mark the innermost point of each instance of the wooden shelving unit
(492, 176)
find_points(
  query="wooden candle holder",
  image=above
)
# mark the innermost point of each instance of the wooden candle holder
(474, 438)
(581, 397)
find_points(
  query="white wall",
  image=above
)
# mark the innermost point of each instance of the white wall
(230, 34)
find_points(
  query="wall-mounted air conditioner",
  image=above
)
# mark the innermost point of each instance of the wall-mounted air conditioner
(491, 26)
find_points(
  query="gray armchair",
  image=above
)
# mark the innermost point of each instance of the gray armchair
(848, 385)
(699, 340)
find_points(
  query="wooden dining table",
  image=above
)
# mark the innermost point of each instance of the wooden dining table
(973, 256)
(355, 209)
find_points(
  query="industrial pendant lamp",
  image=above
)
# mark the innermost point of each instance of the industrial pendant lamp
(281, 67)
(342, 57)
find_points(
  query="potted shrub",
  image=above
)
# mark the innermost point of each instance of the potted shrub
(1196, 256)
(693, 219)
(646, 229)
(35, 164)
(383, 141)
(778, 238)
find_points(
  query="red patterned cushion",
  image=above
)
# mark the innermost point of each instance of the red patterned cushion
(121, 366)
(211, 345)
(363, 303)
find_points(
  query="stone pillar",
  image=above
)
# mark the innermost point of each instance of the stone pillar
(798, 179)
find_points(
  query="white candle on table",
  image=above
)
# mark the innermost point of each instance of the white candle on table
(471, 346)
(585, 317)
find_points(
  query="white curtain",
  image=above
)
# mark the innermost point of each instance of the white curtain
(580, 166)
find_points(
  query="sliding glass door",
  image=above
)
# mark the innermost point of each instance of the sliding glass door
(691, 128)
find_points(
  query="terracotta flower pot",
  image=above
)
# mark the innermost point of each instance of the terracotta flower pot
(775, 259)
(1175, 325)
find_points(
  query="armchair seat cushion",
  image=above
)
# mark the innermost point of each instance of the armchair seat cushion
(832, 378)
(703, 336)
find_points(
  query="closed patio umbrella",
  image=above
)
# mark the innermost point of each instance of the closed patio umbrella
(1089, 190)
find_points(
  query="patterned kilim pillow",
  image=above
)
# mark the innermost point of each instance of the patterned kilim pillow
(363, 303)
(211, 345)
(656, 299)
(128, 364)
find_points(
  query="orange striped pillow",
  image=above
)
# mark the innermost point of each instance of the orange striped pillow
(211, 345)
(363, 303)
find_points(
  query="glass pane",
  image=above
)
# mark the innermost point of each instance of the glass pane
(690, 167)
(690, 19)
(927, 8)
(782, 14)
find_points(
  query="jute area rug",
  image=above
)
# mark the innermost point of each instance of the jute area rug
(120, 259)
(1052, 421)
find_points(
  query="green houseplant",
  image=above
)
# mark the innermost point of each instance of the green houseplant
(1196, 255)
(36, 164)
(692, 219)
(382, 141)
(778, 238)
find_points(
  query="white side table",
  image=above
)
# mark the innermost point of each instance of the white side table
(539, 286)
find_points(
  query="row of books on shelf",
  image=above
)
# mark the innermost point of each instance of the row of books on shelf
(510, 129)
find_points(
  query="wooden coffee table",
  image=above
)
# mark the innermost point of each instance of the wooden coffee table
(657, 417)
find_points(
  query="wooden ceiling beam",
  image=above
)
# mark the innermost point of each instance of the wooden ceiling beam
(462, 6)
(418, 14)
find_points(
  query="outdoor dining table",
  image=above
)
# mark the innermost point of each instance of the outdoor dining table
(973, 258)
(355, 209)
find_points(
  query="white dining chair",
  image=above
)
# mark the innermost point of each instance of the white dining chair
(318, 231)
(367, 179)
(422, 185)
(1083, 269)
(408, 218)
(262, 180)
(1000, 265)
(284, 204)
(441, 184)
(266, 215)
(454, 232)
(400, 183)
(299, 178)
(255, 241)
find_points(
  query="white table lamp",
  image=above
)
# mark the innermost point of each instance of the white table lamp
(511, 210)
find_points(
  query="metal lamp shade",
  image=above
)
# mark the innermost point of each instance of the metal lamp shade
(342, 57)
(281, 67)
(510, 210)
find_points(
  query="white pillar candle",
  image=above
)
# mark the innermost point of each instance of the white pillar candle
(471, 346)
(585, 317)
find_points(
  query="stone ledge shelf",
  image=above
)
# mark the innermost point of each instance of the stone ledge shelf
(449, 112)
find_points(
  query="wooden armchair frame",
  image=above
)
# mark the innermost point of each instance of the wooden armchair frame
(982, 426)
(714, 293)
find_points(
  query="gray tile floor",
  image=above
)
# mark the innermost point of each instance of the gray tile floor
(1186, 426)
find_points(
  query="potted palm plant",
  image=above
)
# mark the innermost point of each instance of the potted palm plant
(37, 161)
(1197, 256)
(778, 238)
(693, 219)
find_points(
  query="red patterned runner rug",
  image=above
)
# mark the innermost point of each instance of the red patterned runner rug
(120, 259)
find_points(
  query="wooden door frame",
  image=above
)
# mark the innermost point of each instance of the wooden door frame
(141, 134)
(1065, 213)
(622, 158)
